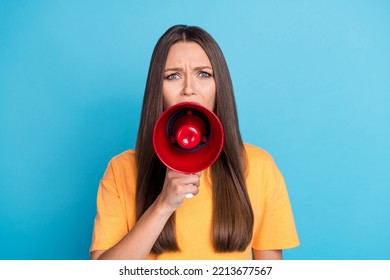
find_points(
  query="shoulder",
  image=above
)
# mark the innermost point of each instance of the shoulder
(260, 162)
(122, 165)
(256, 154)
(124, 158)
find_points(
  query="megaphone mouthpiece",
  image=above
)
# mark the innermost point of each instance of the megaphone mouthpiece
(188, 136)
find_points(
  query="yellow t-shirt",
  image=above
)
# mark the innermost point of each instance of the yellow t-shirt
(274, 226)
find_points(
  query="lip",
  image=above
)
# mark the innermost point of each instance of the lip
(189, 100)
(198, 101)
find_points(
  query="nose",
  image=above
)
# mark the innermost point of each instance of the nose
(188, 88)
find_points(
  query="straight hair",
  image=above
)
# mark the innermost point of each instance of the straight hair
(232, 225)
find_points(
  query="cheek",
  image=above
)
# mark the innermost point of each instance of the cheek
(168, 96)
(166, 101)
(211, 96)
(211, 104)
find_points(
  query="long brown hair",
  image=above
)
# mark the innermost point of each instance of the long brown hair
(232, 210)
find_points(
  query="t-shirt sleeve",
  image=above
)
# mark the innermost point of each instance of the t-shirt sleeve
(110, 224)
(276, 228)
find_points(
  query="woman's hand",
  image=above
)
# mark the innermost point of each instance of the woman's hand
(149, 226)
(177, 186)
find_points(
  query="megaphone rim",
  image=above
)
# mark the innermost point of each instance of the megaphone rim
(201, 108)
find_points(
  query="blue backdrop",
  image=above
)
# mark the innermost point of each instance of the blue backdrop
(312, 82)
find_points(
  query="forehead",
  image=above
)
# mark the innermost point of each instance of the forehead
(183, 52)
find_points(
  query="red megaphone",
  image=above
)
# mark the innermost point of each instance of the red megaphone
(188, 137)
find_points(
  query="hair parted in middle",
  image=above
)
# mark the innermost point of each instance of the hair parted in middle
(232, 211)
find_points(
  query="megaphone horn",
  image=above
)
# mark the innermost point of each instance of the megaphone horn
(188, 137)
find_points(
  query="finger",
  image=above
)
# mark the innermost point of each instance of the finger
(196, 183)
(190, 191)
(187, 179)
(196, 191)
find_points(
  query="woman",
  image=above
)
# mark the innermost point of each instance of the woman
(241, 208)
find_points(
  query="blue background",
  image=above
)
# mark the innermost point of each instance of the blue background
(312, 83)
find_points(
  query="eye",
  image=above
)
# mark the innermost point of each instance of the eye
(173, 76)
(204, 74)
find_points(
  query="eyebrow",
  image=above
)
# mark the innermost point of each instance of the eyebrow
(174, 69)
